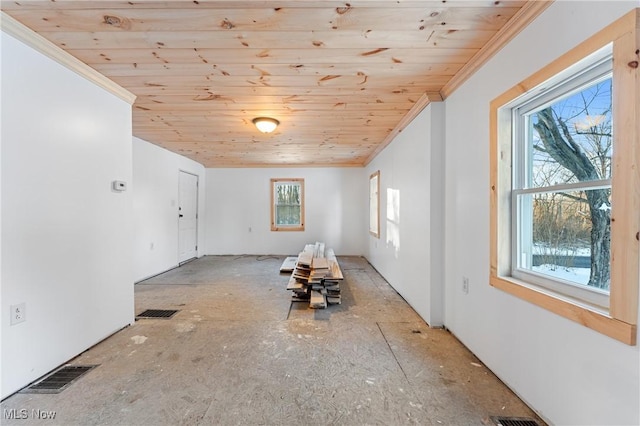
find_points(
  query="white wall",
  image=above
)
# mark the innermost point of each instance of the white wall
(155, 207)
(570, 374)
(66, 236)
(239, 199)
(410, 253)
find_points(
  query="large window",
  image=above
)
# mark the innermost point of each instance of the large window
(562, 146)
(565, 187)
(287, 204)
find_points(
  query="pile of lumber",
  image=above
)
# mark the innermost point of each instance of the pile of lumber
(316, 277)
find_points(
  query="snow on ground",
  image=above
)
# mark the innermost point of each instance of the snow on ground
(540, 248)
(576, 275)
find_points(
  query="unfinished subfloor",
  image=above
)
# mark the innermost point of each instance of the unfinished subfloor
(239, 352)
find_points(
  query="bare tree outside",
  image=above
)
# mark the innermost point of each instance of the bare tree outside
(288, 204)
(572, 142)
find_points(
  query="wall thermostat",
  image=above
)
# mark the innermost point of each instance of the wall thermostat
(119, 185)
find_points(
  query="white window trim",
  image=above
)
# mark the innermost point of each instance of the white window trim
(596, 67)
(619, 321)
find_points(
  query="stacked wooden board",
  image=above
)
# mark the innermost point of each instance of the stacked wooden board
(316, 277)
(289, 264)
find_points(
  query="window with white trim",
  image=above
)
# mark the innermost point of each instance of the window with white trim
(287, 204)
(565, 187)
(561, 192)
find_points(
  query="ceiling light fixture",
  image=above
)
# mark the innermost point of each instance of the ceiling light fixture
(266, 124)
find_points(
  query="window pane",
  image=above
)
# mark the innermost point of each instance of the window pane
(570, 140)
(566, 235)
(287, 215)
(288, 193)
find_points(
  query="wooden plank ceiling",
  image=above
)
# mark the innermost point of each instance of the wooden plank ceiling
(340, 77)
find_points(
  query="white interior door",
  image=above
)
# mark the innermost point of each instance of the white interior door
(187, 216)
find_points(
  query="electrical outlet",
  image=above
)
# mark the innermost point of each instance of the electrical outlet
(18, 314)
(465, 285)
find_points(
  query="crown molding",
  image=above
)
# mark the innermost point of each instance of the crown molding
(517, 23)
(16, 29)
(527, 13)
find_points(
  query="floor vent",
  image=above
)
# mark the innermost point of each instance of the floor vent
(514, 421)
(59, 380)
(158, 313)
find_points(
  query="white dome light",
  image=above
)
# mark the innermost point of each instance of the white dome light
(266, 124)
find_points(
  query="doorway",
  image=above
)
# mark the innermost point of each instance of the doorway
(187, 217)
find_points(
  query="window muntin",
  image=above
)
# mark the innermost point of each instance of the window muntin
(287, 204)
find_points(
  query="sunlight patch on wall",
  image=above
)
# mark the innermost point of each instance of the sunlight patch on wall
(393, 219)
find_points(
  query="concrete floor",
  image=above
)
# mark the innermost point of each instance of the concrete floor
(239, 352)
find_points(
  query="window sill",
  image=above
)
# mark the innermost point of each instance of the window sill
(287, 228)
(591, 317)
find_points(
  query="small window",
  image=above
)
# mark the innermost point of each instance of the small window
(287, 204)
(374, 204)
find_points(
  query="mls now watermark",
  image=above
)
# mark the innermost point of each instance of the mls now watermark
(24, 414)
